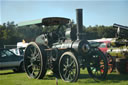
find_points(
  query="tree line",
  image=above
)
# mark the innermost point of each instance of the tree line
(10, 33)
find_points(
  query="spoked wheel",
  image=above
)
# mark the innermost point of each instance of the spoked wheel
(35, 61)
(97, 65)
(69, 67)
(110, 63)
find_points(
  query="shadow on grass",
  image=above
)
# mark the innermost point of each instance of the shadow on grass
(7, 73)
(111, 78)
(117, 77)
(51, 77)
(84, 76)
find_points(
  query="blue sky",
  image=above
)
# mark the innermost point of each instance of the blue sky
(100, 12)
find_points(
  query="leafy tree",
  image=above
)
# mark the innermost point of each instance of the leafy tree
(10, 33)
(29, 33)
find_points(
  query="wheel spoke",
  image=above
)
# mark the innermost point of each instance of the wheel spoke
(29, 66)
(31, 51)
(28, 57)
(67, 61)
(72, 63)
(36, 56)
(33, 70)
(65, 74)
(35, 51)
(68, 77)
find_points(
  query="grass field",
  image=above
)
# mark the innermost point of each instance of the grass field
(8, 77)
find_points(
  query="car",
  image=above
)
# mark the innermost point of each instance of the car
(94, 43)
(9, 60)
(18, 51)
(104, 45)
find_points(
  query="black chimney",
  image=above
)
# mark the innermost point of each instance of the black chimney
(79, 18)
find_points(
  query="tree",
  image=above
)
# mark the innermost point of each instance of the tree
(29, 33)
(8, 34)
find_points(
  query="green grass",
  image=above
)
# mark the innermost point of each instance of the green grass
(8, 77)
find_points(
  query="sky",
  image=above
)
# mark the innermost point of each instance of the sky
(95, 12)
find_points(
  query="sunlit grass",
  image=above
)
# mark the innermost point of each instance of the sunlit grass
(8, 77)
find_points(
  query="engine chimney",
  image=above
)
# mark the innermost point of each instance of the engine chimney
(79, 18)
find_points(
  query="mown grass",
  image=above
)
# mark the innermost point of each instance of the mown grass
(8, 77)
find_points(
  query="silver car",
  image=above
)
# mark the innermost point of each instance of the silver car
(8, 60)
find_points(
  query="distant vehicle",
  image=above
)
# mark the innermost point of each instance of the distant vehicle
(18, 51)
(8, 60)
(104, 45)
(94, 43)
(22, 44)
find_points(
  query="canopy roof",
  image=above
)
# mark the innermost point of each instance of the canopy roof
(46, 21)
(55, 21)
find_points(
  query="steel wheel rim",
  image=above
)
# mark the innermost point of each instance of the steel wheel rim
(68, 68)
(33, 61)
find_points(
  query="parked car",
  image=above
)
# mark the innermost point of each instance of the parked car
(104, 45)
(9, 60)
(18, 51)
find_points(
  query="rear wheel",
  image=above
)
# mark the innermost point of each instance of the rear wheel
(69, 67)
(35, 61)
(97, 65)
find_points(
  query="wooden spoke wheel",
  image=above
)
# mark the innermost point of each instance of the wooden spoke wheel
(97, 65)
(35, 61)
(111, 63)
(69, 67)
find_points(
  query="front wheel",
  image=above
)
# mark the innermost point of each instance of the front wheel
(97, 65)
(69, 67)
(35, 61)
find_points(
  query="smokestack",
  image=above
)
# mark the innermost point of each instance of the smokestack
(79, 18)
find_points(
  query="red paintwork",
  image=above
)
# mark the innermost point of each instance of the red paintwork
(104, 47)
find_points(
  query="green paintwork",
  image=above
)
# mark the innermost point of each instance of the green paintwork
(33, 22)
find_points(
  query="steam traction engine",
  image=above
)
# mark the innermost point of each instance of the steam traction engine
(65, 56)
